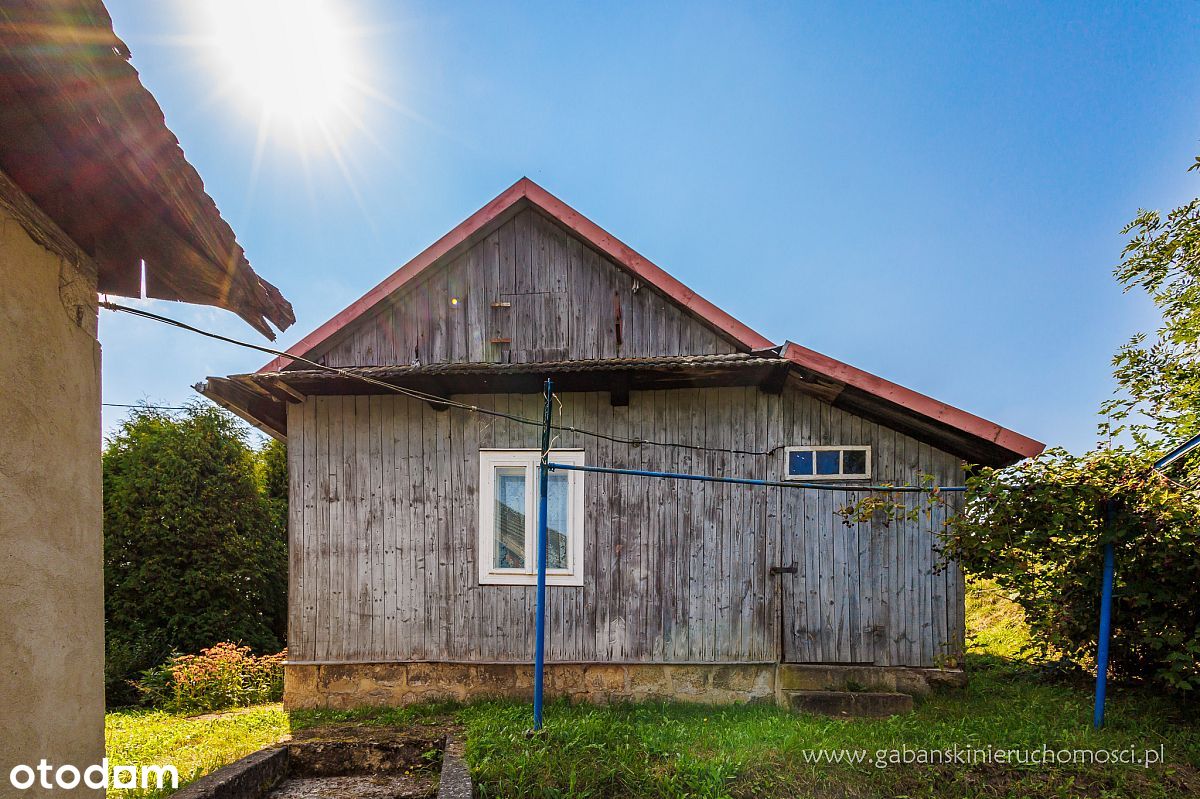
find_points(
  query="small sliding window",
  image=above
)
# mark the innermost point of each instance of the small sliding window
(828, 463)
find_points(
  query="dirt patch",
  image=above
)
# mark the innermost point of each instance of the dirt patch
(375, 786)
(362, 750)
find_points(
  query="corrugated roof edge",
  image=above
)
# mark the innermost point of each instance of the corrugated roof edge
(913, 401)
(108, 120)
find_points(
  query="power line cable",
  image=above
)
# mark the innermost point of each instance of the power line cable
(143, 405)
(421, 395)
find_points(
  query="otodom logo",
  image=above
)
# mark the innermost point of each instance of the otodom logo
(100, 775)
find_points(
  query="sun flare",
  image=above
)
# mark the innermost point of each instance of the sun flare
(291, 63)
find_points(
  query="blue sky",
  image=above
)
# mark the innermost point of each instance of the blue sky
(934, 194)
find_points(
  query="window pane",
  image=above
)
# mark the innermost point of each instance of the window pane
(800, 462)
(828, 461)
(854, 461)
(557, 521)
(509, 531)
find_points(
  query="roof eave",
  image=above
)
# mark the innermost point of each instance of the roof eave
(1009, 441)
(88, 143)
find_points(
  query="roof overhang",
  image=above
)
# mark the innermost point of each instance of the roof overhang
(261, 397)
(951, 429)
(87, 142)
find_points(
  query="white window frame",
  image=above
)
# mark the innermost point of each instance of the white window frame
(489, 460)
(787, 457)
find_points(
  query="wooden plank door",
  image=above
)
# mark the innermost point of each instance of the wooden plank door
(826, 575)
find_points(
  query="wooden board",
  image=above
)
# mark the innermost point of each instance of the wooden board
(384, 538)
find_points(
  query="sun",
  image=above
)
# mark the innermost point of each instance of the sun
(290, 63)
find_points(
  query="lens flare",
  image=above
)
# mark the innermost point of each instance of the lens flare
(292, 64)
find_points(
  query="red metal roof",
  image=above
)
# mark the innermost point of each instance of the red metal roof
(526, 191)
(916, 402)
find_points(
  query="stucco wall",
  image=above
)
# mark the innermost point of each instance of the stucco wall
(51, 577)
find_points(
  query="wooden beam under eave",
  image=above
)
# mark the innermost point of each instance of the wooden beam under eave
(775, 379)
(618, 395)
(280, 385)
(266, 415)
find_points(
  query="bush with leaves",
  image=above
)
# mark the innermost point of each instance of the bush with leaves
(1039, 530)
(193, 553)
(221, 676)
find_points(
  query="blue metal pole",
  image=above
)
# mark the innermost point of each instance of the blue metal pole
(539, 657)
(1177, 453)
(1106, 590)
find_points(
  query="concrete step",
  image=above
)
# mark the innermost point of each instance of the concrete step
(847, 704)
(901, 679)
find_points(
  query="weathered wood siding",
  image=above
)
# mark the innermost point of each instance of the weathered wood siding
(384, 512)
(562, 303)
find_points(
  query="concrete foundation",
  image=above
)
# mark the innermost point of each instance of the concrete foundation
(874, 679)
(384, 684)
(344, 686)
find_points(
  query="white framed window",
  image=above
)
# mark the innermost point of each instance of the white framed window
(827, 463)
(508, 508)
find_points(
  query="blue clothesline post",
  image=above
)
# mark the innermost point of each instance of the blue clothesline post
(1106, 590)
(539, 656)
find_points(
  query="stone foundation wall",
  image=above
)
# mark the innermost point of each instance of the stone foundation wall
(343, 686)
(339, 687)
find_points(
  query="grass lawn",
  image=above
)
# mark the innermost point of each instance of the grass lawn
(195, 746)
(690, 751)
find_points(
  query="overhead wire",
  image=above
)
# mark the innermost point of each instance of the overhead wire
(425, 396)
(433, 398)
(144, 405)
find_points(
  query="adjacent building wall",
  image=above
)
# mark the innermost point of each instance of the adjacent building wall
(51, 549)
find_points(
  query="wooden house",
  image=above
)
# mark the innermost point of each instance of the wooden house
(412, 515)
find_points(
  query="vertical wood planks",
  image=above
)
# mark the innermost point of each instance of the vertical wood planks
(384, 559)
(560, 292)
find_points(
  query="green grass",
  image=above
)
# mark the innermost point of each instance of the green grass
(194, 746)
(689, 751)
(758, 751)
(995, 624)
(686, 751)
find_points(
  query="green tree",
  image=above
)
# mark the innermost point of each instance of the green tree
(1159, 378)
(193, 554)
(271, 462)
